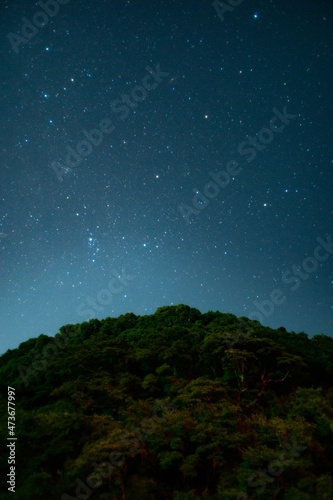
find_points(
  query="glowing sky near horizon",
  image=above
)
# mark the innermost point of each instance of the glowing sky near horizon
(145, 163)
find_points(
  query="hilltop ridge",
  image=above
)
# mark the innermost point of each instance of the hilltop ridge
(174, 405)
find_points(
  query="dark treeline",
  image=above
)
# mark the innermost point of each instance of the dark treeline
(175, 405)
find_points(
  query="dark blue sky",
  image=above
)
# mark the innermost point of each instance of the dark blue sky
(158, 153)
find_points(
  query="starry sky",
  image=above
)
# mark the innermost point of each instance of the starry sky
(165, 152)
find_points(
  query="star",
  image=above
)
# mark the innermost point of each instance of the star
(88, 194)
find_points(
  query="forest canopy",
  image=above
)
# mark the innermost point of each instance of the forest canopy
(174, 405)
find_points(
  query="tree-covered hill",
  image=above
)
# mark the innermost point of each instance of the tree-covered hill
(177, 405)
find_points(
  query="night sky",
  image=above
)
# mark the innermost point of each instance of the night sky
(165, 152)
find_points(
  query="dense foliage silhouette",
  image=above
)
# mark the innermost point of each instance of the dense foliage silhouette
(250, 410)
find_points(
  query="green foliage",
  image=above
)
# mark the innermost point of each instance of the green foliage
(185, 405)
